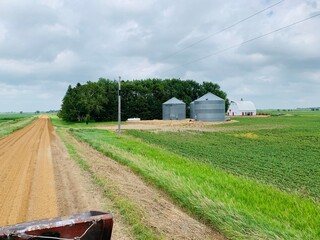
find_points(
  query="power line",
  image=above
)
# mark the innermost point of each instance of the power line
(220, 31)
(243, 43)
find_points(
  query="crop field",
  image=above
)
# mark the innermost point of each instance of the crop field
(14, 117)
(255, 179)
(13, 122)
(285, 155)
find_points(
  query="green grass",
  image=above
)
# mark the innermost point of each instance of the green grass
(12, 118)
(279, 112)
(282, 151)
(128, 210)
(13, 122)
(239, 207)
(58, 122)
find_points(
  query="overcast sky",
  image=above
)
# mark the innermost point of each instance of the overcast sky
(46, 45)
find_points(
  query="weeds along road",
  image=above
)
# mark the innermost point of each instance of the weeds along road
(27, 186)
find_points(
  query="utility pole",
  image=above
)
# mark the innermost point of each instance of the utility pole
(119, 107)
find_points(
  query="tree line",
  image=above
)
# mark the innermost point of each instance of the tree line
(98, 101)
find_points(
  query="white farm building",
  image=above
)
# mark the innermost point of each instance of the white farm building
(242, 108)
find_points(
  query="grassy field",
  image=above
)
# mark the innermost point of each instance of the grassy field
(254, 179)
(60, 123)
(7, 117)
(12, 122)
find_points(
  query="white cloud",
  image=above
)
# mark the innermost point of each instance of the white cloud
(3, 33)
(55, 4)
(46, 45)
(61, 30)
(17, 67)
(313, 76)
(136, 68)
(65, 59)
(12, 90)
(130, 5)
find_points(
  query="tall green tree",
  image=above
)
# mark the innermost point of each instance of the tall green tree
(97, 101)
(84, 102)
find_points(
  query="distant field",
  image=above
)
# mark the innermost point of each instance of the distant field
(14, 116)
(233, 177)
(13, 122)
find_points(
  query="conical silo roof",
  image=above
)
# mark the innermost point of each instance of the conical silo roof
(209, 96)
(174, 101)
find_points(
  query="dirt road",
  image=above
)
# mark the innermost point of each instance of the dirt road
(27, 186)
(39, 180)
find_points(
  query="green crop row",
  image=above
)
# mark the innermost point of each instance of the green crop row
(282, 151)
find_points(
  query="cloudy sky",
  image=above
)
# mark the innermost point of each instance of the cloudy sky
(46, 45)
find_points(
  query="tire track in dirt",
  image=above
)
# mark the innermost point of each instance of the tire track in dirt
(27, 189)
(159, 213)
(76, 192)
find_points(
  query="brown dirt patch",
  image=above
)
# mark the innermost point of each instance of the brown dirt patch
(166, 125)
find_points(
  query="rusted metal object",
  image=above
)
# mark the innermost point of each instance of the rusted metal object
(91, 225)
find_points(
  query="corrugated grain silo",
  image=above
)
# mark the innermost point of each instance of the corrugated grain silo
(192, 110)
(209, 108)
(173, 109)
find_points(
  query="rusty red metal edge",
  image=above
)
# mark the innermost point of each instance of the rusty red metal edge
(97, 224)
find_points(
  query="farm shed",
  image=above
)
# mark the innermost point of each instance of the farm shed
(241, 108)
(209, 108)
(173, 109)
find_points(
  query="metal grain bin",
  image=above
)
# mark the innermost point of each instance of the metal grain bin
(192, 110)
(173, 109)
(209, 108)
